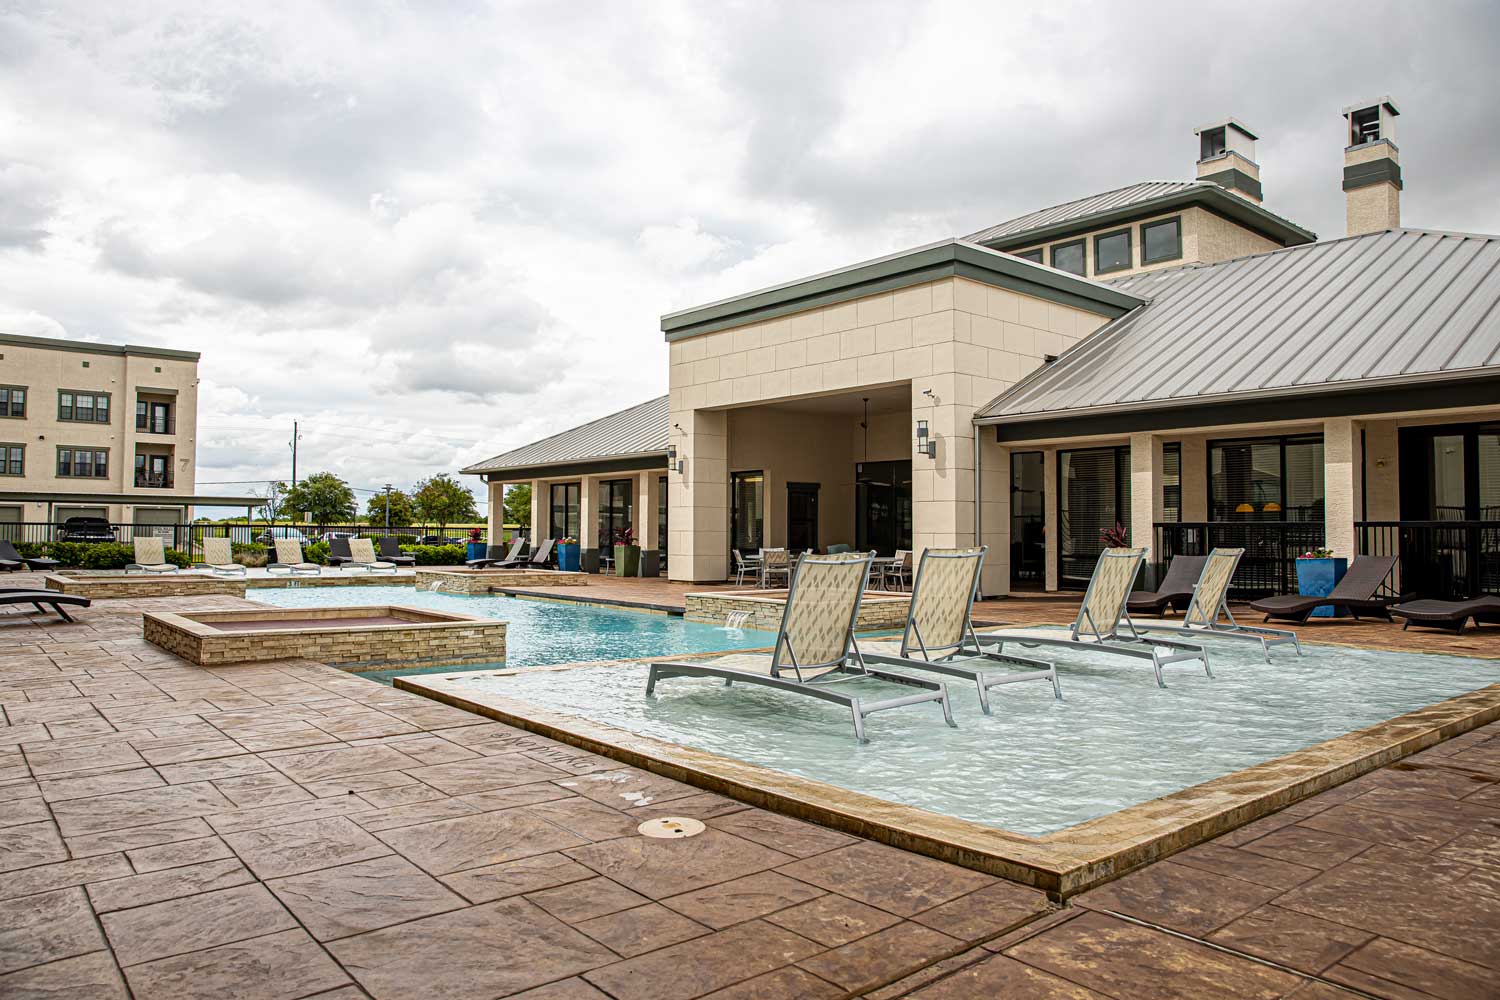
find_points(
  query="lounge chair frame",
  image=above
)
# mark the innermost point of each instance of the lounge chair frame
(809, 677)
(1210, 603)
(299, 568)
(143, 564)
(1450, 616)
(1362, 573)
(490, 559)
(372, 565)
(224, 569)
(1100, 620)
(37, 598)
(955, 654)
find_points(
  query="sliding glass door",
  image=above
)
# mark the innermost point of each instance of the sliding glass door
(1093, 497)
(747, 511)
(882, 506)
(564, 512)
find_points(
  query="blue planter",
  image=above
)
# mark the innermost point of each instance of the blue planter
(475, 550)
(1317, 578)
(567, 558)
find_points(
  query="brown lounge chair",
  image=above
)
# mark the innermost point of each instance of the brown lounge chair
(1176, 588)
(36, 598)
(1451, 615)
(495, 555)
(1356, 591)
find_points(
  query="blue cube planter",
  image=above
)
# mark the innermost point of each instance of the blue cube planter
(1317, 578)
(567, 558)
(475, 550)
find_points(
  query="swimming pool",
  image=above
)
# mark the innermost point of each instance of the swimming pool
(540, 632)
(1037, 765)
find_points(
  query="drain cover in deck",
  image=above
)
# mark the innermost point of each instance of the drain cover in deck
(670, 827)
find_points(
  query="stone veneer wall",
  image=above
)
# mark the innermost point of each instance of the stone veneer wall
(482, 581)
(882, 612)
(140, 585)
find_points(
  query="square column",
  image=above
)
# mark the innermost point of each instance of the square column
(1146, 501)
(539, 520)
(699, 543)
(496, 494)
(1342, 491)
(645, 521)
(994, 481)
(1194, 478)
(588, 525)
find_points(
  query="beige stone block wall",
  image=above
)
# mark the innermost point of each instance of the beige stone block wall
(1372, 209)
(876, 611)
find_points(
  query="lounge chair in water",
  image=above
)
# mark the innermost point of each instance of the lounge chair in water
(496, 555)
(1103, 625)
(939, 635)
(1451, 615)
(390, 551)
(44, 598)
(218, 556)
(1208, 613)
(149, 557)
(1176, 588)
(815, 646)
(363, 551)
(1356, 591)
(289, 560)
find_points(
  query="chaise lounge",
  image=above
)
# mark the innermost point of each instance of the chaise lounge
(40, 598)
(1176, 589)
(362, 550)
(495, 555)
(1356, 591)
(218, 558)
(289, 560)
(390, 551)
(1208, 612)
(149, 557)
(1449, 615)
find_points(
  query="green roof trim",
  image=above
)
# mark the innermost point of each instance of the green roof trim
(84, 347)
(948, 259)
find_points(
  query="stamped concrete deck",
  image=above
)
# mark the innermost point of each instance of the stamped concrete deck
(288, 830)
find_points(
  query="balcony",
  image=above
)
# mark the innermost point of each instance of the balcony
(155, 417)
(153, 480)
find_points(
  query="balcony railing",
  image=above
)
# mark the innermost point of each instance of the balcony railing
(154, 480)
(1269, 565)
(156, 426)
(1450, 560)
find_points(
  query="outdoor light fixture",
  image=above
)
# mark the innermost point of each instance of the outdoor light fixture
(673, 462)
(925, 444)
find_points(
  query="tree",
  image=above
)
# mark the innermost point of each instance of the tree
(442, 499)
(273, 501)
(403, 512)
(518, 505)
(324, 497)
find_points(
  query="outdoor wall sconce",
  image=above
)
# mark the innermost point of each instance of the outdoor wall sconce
(673, 462)
(925, 444)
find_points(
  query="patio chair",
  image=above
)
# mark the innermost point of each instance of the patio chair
(744, 567)
(1210, 603)
(1450, 615)
(939, 635)
(11, 560)
(1175, 591)
(1102, 616)
(774, 563)
(149, 557)
(495, 555)
(1356, 591)
(540, 555)
(44, 598)
(289, 560)
(390, 551)
(897, 571)
(363, 551)
(339, 555)
(815, 646)
(218, 557)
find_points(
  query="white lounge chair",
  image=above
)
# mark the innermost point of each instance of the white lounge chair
(1210, 602)
(289, 560)
(149, 557)
(363, 552)
(218, 557)
(815, 647)
(939, 635)
(1101, 618)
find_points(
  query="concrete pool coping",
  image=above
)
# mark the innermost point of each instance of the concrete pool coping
(1062, 863)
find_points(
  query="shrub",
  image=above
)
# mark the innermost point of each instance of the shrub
(436, 555)
(249, 554)
(317, 552)
(31, 550)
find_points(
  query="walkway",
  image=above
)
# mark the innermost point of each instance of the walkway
(287, 830)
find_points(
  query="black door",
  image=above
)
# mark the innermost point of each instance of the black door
(802, 517)
(1450, 509)
(1028, 544)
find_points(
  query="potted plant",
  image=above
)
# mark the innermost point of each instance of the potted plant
(627, 553)
(476, 548)
(1318, 572)
(567, 554)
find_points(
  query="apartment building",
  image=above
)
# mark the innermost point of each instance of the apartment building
(101, 430)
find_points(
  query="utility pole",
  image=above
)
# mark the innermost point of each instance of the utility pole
(387, 508)
(294, 453)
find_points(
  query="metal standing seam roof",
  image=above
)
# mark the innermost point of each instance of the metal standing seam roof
(1402, 304)
(640, 430)
(1036, 226)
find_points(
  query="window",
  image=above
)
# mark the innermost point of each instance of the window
(1093, 497)
(616, 511)
(1266, 479)
(83, 463)
(1035, 255)
(83, 407)
(153, 418)
(1161, 240)
(1171, 481)
(1069, 257)
(564, 507)
(747, 511)
(1112, 251)
(12, 460)
(1212, 142)
(12, 401)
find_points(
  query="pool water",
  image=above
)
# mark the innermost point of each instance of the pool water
(1037, 765)
(540, 632)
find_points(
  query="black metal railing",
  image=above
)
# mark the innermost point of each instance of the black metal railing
(1269, 565)
(189, 537)
(154, 480)
(1450, 560)
(158, 425)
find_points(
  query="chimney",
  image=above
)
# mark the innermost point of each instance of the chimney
(1372, 168)
(1226, 156)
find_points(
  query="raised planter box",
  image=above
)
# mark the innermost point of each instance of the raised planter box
(105, 586)
(877, 610)
(379, 637)
(482, 581)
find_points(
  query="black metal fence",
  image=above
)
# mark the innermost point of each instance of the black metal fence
(1269, 565)
(189, 537)
(1450, 560)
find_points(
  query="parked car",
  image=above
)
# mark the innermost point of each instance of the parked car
(439, 540)
(85, 529)
(268, 536)
(329, 536)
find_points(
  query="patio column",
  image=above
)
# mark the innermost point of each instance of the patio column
(645, 520)
(1341, 485)
(1049, 514)
(1145, 494)
(700, 497)
(994, 477)
(1194, 478)
(539, 525)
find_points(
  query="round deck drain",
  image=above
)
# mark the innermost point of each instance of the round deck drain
(670, 827)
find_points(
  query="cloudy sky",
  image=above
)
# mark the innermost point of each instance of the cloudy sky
(434, 231)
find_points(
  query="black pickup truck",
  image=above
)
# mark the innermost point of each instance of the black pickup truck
(85, 529)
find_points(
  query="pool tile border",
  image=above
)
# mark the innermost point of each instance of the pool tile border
(1062, 863)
